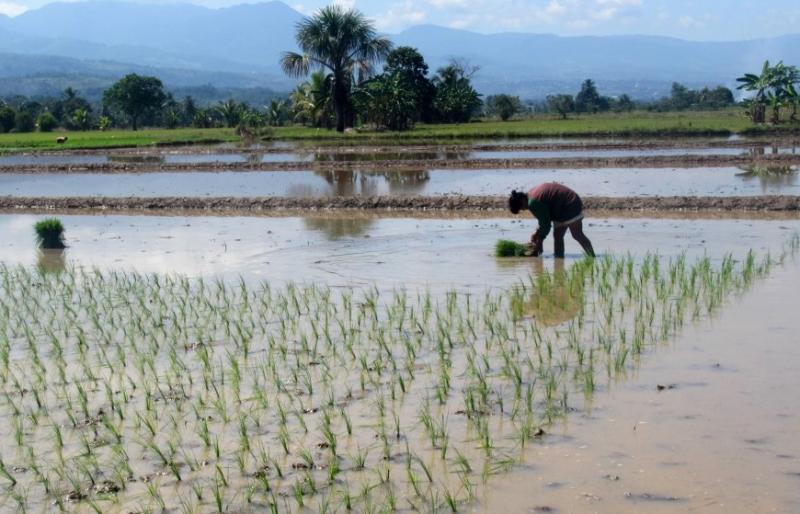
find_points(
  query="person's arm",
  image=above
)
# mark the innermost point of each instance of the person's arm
(541, 211)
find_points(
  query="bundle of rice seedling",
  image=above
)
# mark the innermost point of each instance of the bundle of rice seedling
(49, 233)
(506, 248)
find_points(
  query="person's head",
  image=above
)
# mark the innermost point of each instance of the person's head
(517, 201)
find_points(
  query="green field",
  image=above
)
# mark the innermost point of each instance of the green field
(687, 124)
(113, 139)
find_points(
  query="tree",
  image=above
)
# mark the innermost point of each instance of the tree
(231, 112)
(7, 115)
(189, 110)
(412, 70)
(311, 101)
(503, 106)
(387, 101)
(80, 119)
(276, 113)
(135, 96)
(456, 101)
(759, 84)
(345, 45)
(24, 122)
(623, 104)
(46, 122)
(562, 104)
(589, 100)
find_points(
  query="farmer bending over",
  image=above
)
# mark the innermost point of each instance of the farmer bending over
(557, 204)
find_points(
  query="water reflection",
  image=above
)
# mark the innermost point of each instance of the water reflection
(352, 183)
(339, 228)
(552, 297)
(770, 177)
(361, 156)
(51, 260)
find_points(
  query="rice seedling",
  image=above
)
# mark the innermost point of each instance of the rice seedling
(286, 398)
(49, 233)
(508, 248)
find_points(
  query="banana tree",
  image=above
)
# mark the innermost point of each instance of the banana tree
(760, 84)
(792, 98)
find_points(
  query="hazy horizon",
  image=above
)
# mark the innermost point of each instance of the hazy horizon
(711, 20)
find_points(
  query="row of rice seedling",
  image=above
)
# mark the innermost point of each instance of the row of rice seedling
(152, 393)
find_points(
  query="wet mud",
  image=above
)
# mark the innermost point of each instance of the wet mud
(647, 161)
(773, 203)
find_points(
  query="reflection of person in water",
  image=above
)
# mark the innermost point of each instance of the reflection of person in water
(557, 205)
(563, 301)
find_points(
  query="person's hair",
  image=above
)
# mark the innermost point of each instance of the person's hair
(515, 200)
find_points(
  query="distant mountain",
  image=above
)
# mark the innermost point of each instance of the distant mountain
(246, 41)
(237, 38)
(43, 75)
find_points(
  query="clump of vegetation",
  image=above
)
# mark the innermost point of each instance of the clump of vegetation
(508, 248)
(49, 233)
(759, 170)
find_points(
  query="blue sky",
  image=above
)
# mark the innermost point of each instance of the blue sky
(689, 19)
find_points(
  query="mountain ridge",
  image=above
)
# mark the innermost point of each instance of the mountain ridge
(248, 39)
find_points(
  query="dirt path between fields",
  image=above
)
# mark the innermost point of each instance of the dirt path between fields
(405, 203)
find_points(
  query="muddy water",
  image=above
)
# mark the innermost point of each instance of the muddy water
(343, 251)
(590, 182)
(291, 153)
(723, 440)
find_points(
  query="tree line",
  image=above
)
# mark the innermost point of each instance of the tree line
(340, 52)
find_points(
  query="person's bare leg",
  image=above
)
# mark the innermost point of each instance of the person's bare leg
(576, 229)
(558, 241)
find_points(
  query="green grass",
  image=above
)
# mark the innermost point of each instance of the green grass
(639, 123)
(113, 139)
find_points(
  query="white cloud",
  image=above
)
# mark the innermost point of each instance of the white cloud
(347, 4)
(688, 22)
(12, 9)
(401, 15)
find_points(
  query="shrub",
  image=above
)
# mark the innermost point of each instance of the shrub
(46, 122)
(49, 233)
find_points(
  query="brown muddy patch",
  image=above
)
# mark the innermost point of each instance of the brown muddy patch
(776, 203)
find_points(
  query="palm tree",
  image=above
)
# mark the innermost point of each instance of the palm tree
(345, 45)
(231, 111)
(311, 100)
(275, 110)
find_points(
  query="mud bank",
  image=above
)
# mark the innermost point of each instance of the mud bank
(413, 147)
(404, 203)
(659, 161)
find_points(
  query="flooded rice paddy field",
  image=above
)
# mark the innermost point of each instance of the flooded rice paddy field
(498, 149)
(347, 362)
(345, 250)
(395, 364)
(590, 182)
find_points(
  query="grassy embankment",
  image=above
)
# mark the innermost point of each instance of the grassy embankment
(647, 124)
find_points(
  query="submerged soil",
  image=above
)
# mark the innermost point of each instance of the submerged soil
(443, 203)
(645, 161)
(718, 436)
